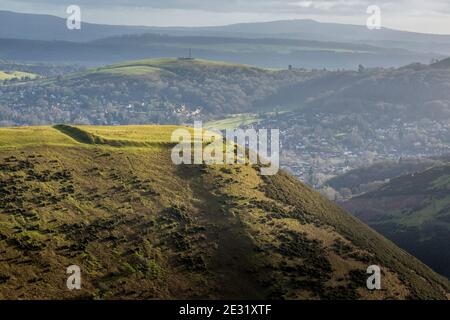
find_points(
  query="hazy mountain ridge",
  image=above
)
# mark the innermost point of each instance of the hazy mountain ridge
(47, 27)
(264, 53)
(308, 43)
(44, 27)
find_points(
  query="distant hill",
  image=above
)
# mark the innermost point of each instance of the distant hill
(15, 25)
(109, 200)
(147, 91)
(442, 64)
(309, 29)
(131, 92)
(301, 43)
(46, 27)
(41, 69)
(268, 52)
(370, 178)
(422, 90)
(314, 30)
(413, 211)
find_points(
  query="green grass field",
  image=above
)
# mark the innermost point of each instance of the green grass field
(140, 227)
(33, 136)
(143, 133)
(176, 62)
(115, 136)
(131, 70)
(233, 122)
(166, 66)
(16, 75)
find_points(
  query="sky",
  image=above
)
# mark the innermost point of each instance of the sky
(427, 16)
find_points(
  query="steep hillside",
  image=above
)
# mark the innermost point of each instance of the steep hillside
(370, 178)
(110, 200)
(414, 92)
(414, 212)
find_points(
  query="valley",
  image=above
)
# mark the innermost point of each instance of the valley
(413, 211)
(140, 227)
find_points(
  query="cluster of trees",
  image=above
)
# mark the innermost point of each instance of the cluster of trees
(409, 92)
(42, 69)
(178, 90)
(171, 95)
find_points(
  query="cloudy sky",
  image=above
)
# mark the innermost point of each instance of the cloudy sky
(431, 16)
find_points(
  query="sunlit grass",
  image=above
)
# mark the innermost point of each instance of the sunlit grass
(141, 133)
(29, 136)
(16, 75)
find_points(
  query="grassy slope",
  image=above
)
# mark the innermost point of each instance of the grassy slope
(414, 211)
(378, 173)
(16, 75)
(427, 191)
(148, 67)
(140, 227)
(234, 122)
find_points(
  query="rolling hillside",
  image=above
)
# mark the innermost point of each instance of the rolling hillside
(146, 91)
(414, 91)
(110, 200)
(271, 53)
(413, 211)
(151, 90)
